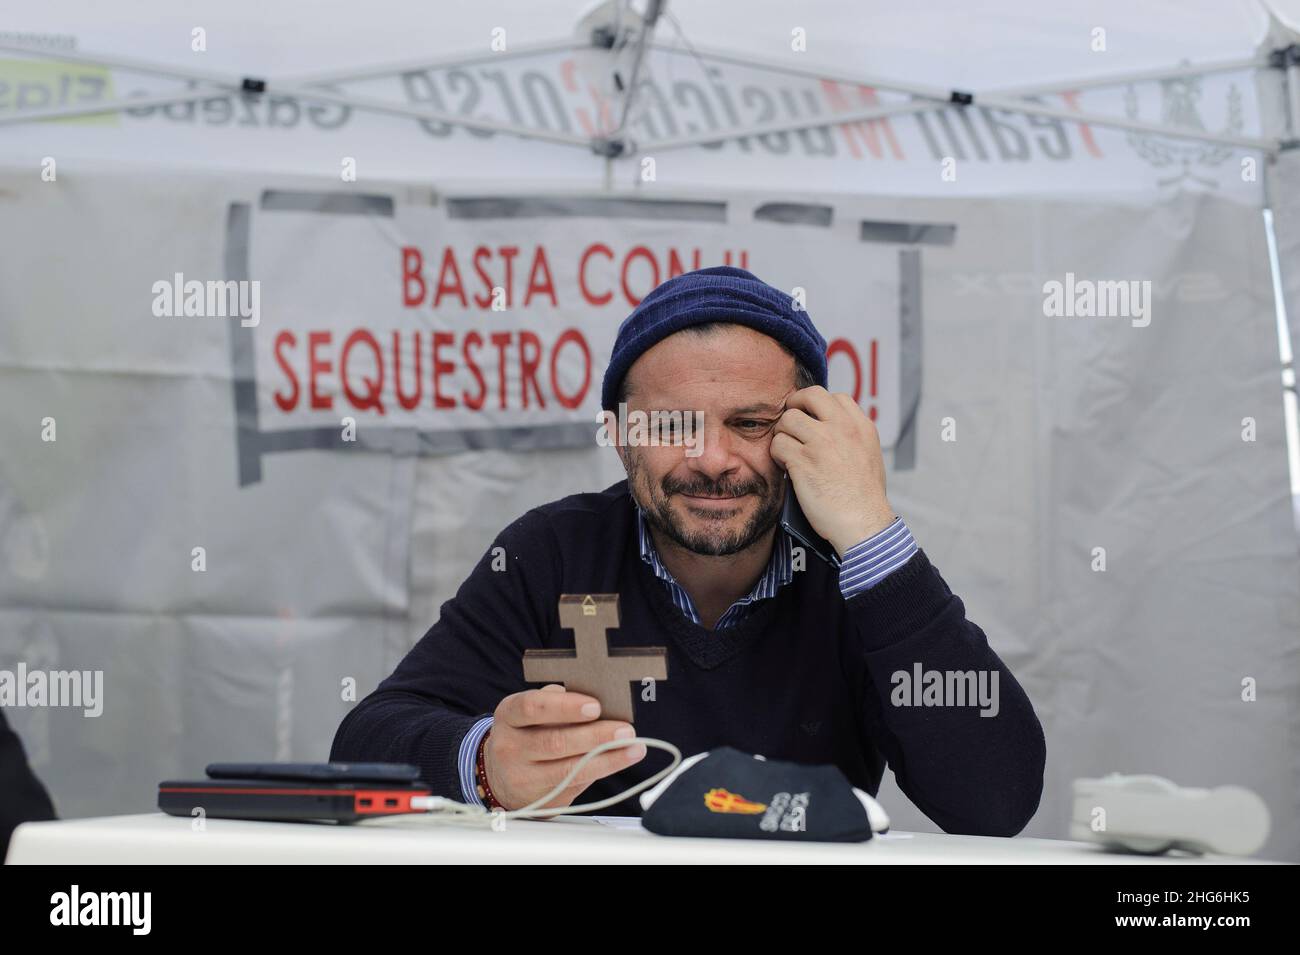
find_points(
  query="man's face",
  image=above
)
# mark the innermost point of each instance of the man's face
(727, 497)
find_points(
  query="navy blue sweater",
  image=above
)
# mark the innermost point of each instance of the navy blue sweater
(807, 677)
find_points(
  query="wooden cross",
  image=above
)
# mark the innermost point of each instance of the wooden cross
(592, 666)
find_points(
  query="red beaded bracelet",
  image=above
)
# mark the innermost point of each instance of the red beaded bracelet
(480, 775)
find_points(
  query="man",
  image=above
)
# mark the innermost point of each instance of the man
(769, 650)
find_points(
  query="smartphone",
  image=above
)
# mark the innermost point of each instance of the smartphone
(317, 772)
(797, 526)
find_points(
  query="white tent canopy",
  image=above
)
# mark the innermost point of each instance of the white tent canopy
(871, 44)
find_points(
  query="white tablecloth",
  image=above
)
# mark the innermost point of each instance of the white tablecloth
(159, 838)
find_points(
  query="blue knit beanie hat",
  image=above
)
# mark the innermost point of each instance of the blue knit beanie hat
(719, 294)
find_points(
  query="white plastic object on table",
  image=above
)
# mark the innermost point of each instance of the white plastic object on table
(1151, 814)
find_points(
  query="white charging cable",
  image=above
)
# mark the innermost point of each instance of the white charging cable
(442, 809)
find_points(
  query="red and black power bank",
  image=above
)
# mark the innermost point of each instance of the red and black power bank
(295, 792)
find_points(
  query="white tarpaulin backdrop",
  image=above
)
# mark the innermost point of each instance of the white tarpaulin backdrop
(324, 562)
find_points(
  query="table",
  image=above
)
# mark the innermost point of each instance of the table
(156, 838)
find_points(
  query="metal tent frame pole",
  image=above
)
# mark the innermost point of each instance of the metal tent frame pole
(223, 85)
(653, 9)
(353, 74)
(932, 95)
(1134, 76)
(924, 97)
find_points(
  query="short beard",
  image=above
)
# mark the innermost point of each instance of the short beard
(661, 517)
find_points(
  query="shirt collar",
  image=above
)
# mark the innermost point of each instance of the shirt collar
(779, 572)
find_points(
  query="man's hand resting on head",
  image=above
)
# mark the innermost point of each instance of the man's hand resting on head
(538, 736)
(831, 450)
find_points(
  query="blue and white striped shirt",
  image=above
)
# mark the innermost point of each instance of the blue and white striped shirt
(862, 567)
